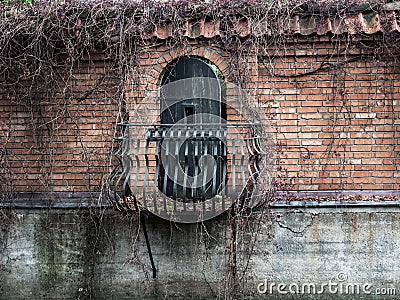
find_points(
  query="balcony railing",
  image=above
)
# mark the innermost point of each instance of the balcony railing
(187, 169)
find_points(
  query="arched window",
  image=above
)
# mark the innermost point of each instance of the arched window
(196, 141)
(193, 128)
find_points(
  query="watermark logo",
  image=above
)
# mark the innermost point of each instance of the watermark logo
(340, 285)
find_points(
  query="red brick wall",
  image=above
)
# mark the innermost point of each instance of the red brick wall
(338, 125)
(63, 144)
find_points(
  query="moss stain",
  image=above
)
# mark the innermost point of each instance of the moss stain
(48, 248)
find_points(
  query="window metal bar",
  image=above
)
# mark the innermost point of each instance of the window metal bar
(146, 172)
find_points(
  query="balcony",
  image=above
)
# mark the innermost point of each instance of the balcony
(193, 171)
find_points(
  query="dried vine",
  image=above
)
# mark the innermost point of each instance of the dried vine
(45, 47)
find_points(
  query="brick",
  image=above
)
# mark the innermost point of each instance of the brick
(349, 135)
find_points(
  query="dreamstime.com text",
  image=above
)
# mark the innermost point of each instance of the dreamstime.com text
(339, 286)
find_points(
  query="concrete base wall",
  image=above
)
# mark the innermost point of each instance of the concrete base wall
(81, 254)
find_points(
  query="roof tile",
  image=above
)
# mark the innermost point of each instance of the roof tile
(359, 22)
